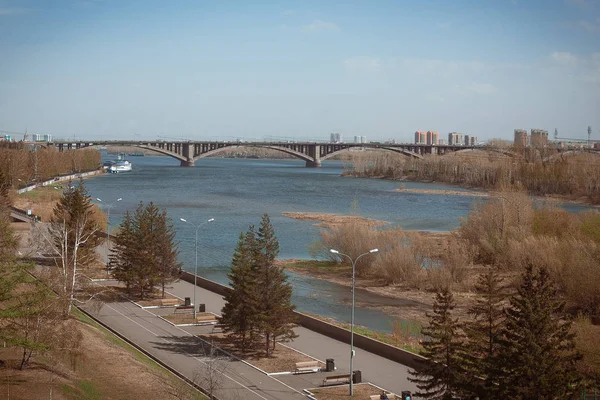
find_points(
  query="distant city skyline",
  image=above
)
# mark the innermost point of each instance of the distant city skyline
(205, 70)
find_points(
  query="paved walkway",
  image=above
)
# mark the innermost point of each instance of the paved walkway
(182, 350)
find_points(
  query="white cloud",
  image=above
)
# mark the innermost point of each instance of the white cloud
(584, 68)
(590, 26)
(319, 25)
(367, 64)
(564, 58)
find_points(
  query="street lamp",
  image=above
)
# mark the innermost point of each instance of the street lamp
(196, 251)
(352, 317)
(108, 207)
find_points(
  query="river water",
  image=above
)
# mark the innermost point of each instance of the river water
(236, 193)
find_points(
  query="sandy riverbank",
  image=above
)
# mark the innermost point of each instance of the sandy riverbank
(445, 192)
(326, 220)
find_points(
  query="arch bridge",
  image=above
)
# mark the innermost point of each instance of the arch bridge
(187, 152)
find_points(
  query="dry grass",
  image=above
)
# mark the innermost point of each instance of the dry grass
(106, 369)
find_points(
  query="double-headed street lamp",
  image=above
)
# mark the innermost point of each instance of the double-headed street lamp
(196, 251)
(352, 317)
(108, 207)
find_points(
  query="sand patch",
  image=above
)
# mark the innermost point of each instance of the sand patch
(327, 220)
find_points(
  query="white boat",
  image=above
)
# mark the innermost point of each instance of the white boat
(120, 166)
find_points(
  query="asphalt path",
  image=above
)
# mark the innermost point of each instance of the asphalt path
(375, 369)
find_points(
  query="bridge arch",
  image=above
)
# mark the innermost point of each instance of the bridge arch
(162, 151)
(294, 153)
(487, 150)
(395, 150)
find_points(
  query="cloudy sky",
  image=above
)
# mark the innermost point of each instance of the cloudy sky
(205, 70)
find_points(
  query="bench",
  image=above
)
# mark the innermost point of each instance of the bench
(184, 308)
(307, 366)
(390, 396)
(336, 379)
(170, 302)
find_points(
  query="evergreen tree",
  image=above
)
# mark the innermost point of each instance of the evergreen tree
(484, 333)
(167, 252)
(144, 254)
(73, 233)
(538, 350)
(241, 312)
(276, 309)
(124, 248)
(442, 375)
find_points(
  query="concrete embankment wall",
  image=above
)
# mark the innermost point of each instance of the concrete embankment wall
(335, 332)
(61, 178)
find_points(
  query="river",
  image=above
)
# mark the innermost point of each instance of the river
(236, 193)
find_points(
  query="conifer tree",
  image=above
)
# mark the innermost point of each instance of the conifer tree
(73, 234)
(144, 254)
(276, 309)
(538, 349)
(124, 248)
(240, 314)
(442, 375)
(483, 334)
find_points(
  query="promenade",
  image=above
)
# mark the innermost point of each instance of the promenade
(179, 348)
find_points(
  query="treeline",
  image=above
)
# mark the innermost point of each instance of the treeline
(514, 347)
(23, 165)
(549, 173)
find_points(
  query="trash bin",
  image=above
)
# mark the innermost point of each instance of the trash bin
(188, 302)
(201, 307)
(406, 395)
(356, 377)
(329, 365)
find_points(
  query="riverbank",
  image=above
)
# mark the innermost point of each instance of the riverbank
(328, 220)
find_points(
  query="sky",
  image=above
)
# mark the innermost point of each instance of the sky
(298, 70)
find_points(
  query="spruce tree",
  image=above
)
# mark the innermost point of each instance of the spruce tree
(144, 252)
(483, 334)
(276, 309)
(240, 313)
(441, 376)
(538, 350)
(124, 247)
(73, 231)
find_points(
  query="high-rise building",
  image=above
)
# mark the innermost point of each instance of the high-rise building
(363, 139)
(420, 137)
(36, 137)
(335, 138)
(471, 140)
(539, 138)
(47, 138)
(455, 139)
(432, 137)
(520, 138)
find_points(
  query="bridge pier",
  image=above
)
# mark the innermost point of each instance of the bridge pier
(187, 163)
(313, 164)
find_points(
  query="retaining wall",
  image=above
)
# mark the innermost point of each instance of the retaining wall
(324, 328)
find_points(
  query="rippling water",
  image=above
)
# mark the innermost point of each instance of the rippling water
(236, 192)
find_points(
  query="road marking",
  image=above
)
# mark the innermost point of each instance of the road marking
(196, 358)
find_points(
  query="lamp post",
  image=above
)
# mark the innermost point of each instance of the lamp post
(108, 207)
(196, 251)
(352, 316)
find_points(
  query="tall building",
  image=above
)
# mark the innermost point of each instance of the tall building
(471, 140)
(47, 138)
(420, 137)
(432, 137)
(539, 138)
(335, 138)
(520, 138)
(36, 137)
(455, 139)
